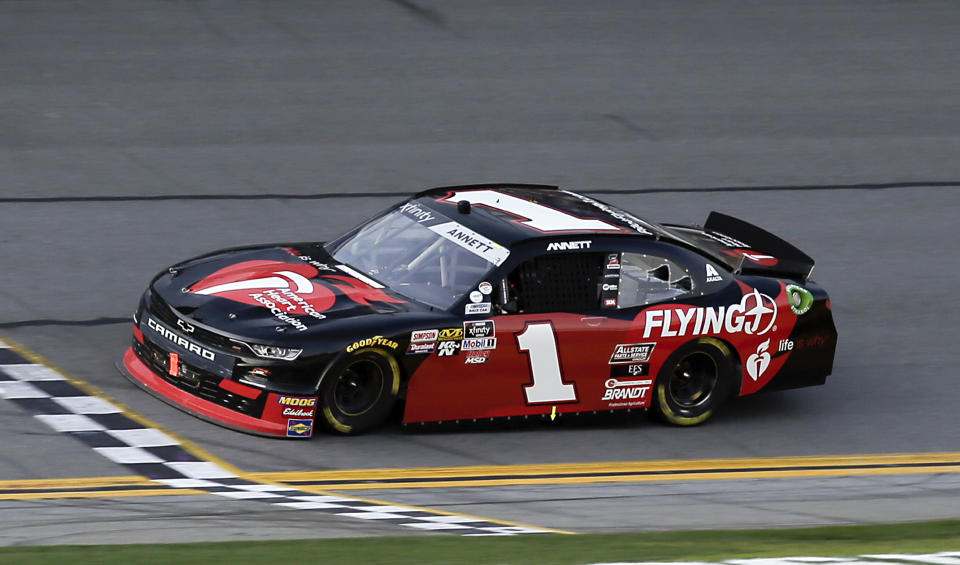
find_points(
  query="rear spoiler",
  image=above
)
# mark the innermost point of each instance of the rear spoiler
(791, 262)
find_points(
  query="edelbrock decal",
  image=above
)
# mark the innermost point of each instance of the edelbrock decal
(754, 315)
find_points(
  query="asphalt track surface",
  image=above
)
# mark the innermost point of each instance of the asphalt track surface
(136, 134)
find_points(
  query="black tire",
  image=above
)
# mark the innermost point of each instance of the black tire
(359, 393)
(696, 379)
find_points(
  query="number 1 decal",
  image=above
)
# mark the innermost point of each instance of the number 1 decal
(539, 341)
(531, 214)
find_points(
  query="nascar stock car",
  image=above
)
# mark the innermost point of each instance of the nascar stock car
(482, 302)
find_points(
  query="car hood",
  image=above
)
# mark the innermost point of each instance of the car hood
(278, 293)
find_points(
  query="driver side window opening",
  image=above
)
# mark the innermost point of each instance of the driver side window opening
(558, 283)
(646, 279)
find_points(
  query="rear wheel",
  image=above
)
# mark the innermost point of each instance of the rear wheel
(359, 393)
(694, 382)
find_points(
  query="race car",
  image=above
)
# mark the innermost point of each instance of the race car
(481, 303)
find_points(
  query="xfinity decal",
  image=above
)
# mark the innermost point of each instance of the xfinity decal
(480, 245)
(183, 342)
(754, 315)
(421, 214)
(485, 328)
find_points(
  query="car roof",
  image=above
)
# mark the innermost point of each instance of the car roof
(512, 213)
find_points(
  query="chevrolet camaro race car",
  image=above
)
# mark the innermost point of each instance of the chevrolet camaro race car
(479, 303)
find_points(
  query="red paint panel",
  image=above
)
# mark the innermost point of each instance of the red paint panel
(239, 388)
(137, 334)
(144, 377)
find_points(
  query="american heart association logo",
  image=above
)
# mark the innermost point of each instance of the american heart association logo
(759, 361)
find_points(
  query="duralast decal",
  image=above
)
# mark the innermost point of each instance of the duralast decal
(631, 353)
(451, 334)
(376, 341)
(754, 315)
(422, 348)
(297, 401)
(183, 342)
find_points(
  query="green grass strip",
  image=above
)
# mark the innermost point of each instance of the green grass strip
(538, 549)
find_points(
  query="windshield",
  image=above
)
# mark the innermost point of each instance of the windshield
(424, 263)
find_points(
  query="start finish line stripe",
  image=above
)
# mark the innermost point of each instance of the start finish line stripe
(76, 409)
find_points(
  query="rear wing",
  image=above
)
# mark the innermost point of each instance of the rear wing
(761, 249)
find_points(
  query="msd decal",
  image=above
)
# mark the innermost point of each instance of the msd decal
(755, 315)
(286, 289)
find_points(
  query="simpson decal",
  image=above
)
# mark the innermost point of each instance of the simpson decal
(420, 336)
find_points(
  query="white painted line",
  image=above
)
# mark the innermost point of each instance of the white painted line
(144, 437)
(188, 483)
(372, 515)
(321, 498)
(262, 488)
(17, 389)
(310, 505)
(127, 455)
(450, 519)
(31, 372)
(244, 494)
(435, 526)
(86, 405)
(201, 470)
(936, 559)
(69, 422)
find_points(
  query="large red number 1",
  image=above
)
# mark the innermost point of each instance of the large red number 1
(539, 341)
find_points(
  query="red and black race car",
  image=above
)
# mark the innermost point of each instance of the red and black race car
(483, 302)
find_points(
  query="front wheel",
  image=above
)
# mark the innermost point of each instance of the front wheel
(693, 382)
(359, 393)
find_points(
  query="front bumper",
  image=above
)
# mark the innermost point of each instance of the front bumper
(220, 400)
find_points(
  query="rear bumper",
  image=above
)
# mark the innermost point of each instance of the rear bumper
(283, 415)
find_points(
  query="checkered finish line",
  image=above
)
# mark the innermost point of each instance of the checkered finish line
(149, 452)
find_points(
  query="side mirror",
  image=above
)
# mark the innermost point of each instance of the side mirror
(510, 307)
